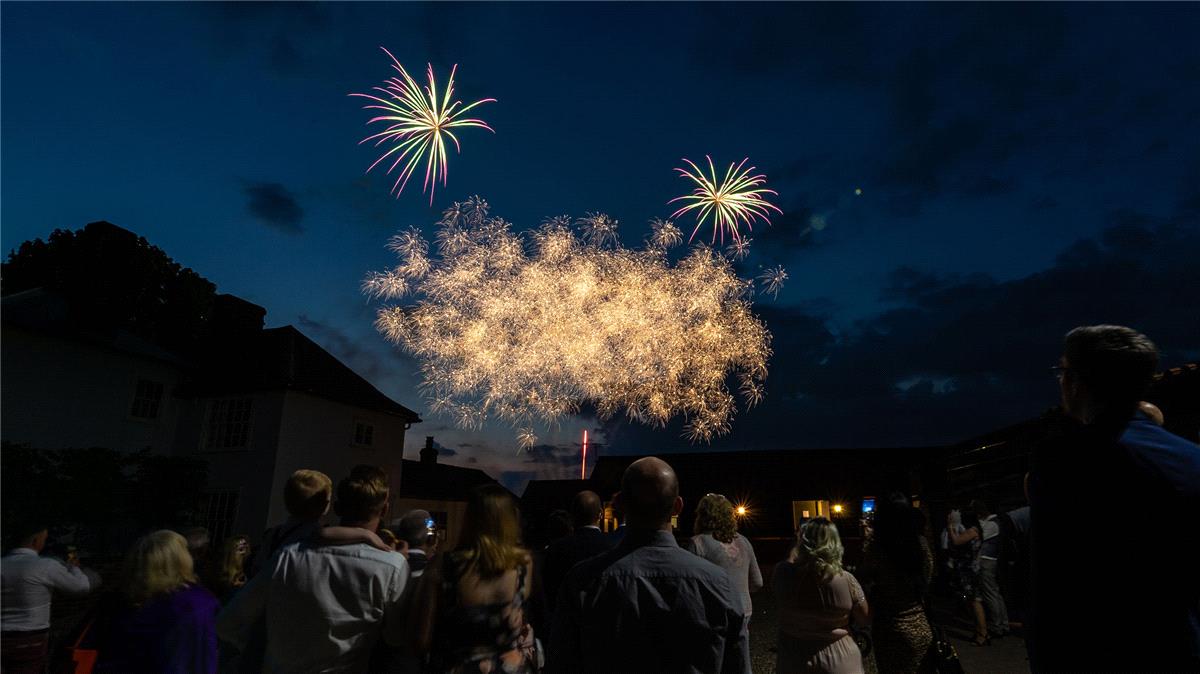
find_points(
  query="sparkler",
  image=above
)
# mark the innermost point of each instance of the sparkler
(528, 334)
(419, 122)
(734, 200)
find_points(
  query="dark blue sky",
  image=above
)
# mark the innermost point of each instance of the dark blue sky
(1024, 169)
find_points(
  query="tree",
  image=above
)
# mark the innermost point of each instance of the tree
(113, 278)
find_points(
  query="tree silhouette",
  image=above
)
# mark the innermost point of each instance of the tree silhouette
(113, 278)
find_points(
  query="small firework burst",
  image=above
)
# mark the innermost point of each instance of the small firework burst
(739, 249)
(526, 438)
(664, 234)
(598, 229)
(732, 201)
(419, 122)
(772, 280)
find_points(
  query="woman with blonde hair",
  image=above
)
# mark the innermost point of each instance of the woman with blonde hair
(718, 541)
(163, 621)
(817, 600)
(470, 607)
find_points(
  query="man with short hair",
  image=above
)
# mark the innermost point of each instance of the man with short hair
(648, 605)
(27, 584)
(415, 531)
(585, 542)
(326, 605)
(1114, 580)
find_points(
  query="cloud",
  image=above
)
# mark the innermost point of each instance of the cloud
(374, 365)
(288, 38)
(958, 355)
(274, 206)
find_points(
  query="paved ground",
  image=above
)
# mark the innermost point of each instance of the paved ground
(1004, 656)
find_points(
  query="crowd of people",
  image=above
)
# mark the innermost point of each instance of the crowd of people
(364, 597)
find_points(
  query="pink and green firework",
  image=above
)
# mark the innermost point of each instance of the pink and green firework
(419, 122)
(732, 201)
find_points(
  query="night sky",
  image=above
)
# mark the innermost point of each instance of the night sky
(1023, 169)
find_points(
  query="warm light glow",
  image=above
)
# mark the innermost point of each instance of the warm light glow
(837, 508)
(741, 511)
(419, 123)
(583, 468)
(529, 330)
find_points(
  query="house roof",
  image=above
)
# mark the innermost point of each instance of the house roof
(440, 481)
(285, 358)
(48, 312)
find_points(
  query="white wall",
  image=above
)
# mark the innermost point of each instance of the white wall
(249, 471)
(59, 393)
(318, 433)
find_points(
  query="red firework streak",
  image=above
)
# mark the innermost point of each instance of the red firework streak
(583, 468)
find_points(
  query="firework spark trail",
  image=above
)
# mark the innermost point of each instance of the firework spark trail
(420, 121)
(528, 334)
(734, 200)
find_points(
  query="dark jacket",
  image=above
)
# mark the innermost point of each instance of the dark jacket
(1112, 511)
(648, 606)
(561, 555)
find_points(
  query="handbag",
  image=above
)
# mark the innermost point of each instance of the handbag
(941, 658)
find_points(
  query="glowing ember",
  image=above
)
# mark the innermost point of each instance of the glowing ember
(529, 336)
(419, 123)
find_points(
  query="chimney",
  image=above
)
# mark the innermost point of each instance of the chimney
(429, 454)
(234, 317)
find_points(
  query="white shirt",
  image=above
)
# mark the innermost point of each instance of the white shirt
(989, 528)
(325, 605)
(27, 582)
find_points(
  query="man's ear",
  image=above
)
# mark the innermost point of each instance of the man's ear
(677, 507)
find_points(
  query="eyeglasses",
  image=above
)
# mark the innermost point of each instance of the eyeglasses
(1059, 371)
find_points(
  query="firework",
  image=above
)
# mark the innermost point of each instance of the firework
(530, 333)
(772, 280)
(599, 229)
(664, 234)
(739, 249)
(419, 122)
(732, 201)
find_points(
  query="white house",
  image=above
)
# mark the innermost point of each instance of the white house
(256, 405)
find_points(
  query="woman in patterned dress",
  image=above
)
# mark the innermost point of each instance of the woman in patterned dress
(897, 568)
(470, 608)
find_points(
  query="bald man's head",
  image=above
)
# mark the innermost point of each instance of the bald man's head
(650, 494)
(585, 509)
(1151, 410)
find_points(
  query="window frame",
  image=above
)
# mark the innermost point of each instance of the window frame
(206, 434)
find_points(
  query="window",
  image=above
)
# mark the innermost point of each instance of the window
(146, 399)
(364, 434)
(228, 424)
(218, 513)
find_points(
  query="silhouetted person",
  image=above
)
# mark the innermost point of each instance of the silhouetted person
(326, 604)
(1152, 412)
(648, 605)
(587, 541)
(1100, 603)
(28, 581)
(897, 567)
(163, 619)
(418, 539)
